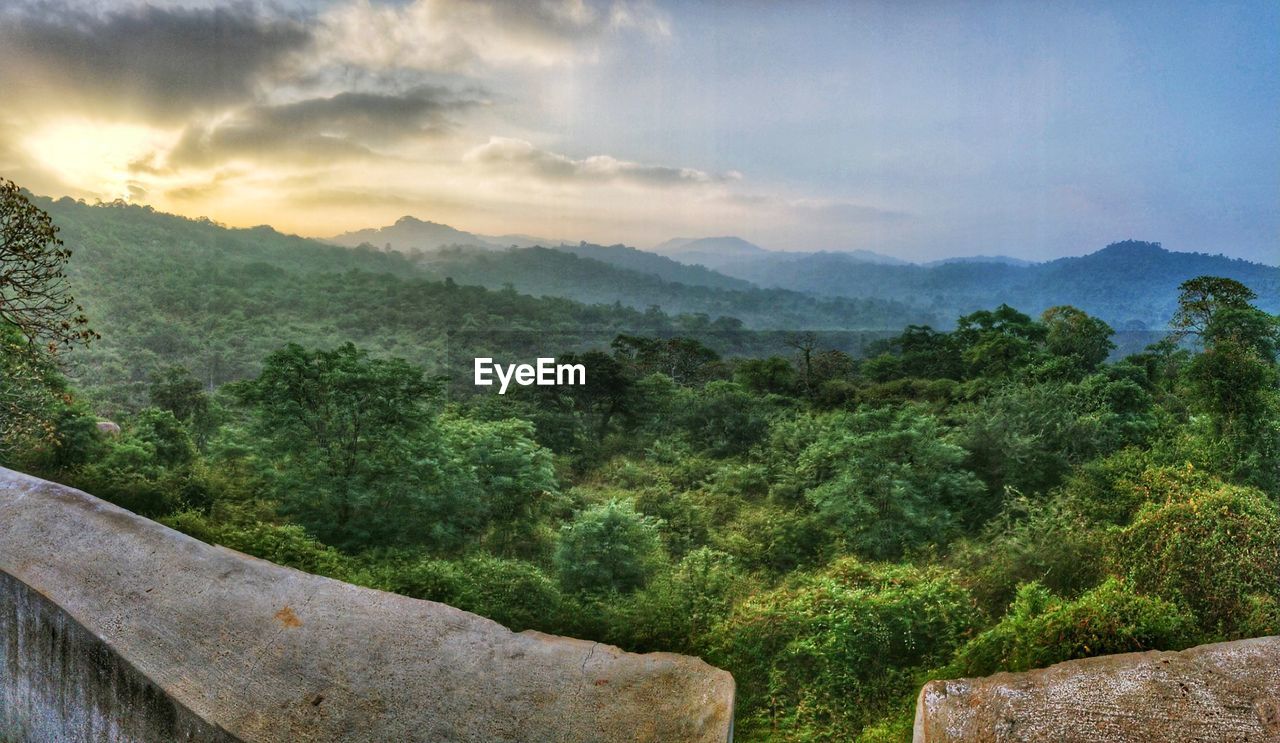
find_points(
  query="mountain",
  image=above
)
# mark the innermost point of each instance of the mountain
(737, 257)
(1133, 285)
(1002, 259)
(168, 290)
(721, 246)
(415, 236)
(867, 256)
(664, 268)
(581, 278)
(410, 235)
(520, 241)
(165, 290)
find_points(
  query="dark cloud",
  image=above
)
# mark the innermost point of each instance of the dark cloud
(162, 61)
(369, 116)
(342, 126)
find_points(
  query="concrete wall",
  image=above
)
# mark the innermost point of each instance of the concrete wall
(1227, 691)
(114, 628)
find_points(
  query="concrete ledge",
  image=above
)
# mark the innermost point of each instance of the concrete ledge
(115, 628)
(1227, 691)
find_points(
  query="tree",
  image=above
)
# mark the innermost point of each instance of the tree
(1201, 298)
(804, 344)
(515, 479)
(608, 393)
(997, 342)
(358, 458)
(724, 420)
(685, 360)
(888, 481)
(831, 650)
(1235, 378)
(1027, 437)
(608, 547)
(30, 390)
(774, 375)
(176, 390)
(1041, 629)
(34, 295)
(1082, 341)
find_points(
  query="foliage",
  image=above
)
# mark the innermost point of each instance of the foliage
(1214, 549)
(608, 547)
(1041, 629)
(887, 480)
(851, 631)
(31, 393)
(35, 296)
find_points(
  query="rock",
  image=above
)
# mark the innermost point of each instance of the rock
(1228, 691)
(108, 428)
(115, 628)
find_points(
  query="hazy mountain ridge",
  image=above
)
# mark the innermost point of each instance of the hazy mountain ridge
(725, 246)
(733, 254)
(1130, 284)
(410, 234)
(558, 272)
(667, 269)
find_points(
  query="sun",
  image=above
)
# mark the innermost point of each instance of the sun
(94, 156)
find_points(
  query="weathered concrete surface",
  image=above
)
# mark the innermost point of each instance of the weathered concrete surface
(1221, 693)
(115, 628)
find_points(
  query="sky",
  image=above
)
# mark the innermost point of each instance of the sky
(919, 129)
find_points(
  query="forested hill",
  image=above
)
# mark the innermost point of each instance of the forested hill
(665, 268)
(168, 290)
(409, 235)
(1131, 284)
(557, 273)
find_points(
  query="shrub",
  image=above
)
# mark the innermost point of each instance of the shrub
(1216, 551)
(1041, 629)
(608, 547)
(833, 650)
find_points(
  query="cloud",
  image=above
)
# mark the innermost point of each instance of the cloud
(345, 125)
(160, 62)
(828, 211)
(519, 156)
(465, 35)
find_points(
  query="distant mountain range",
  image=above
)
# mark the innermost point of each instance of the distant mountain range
(1007, 260)
(410, 235)
(1130, 284)
(596, 274)
(733, 254)
(726, 247)
(167, 289)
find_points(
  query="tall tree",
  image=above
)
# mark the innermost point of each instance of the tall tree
(1201, 298)
(34, 295)
(358, 458)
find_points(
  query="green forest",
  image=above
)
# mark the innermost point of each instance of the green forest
(997, 490)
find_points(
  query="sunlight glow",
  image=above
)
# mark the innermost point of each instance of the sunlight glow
(96, 156)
